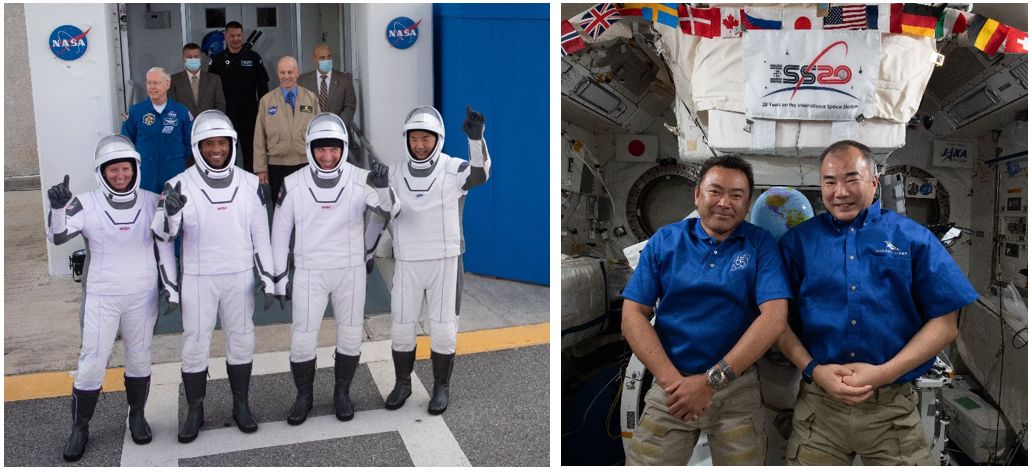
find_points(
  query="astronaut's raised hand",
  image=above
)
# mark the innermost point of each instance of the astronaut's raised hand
(378, 175)
(172, 199)
(171, 297)
(473, 125)
(59, 194)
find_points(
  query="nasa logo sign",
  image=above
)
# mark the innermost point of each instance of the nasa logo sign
(402, 32)
(68, 42)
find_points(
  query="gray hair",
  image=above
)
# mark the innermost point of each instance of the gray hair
(865, 152)
(164, 73)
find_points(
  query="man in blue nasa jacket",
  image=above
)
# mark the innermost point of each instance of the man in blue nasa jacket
(160, 130)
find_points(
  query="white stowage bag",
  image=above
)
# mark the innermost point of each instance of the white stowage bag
(584, 302)
(1014, 306)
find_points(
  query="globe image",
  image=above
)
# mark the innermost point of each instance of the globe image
(779, 209)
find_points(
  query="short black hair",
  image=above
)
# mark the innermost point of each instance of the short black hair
(235, 24)
(865, 152)
(729, 162)
(191, 46)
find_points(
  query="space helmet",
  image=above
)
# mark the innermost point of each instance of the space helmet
(212, 124)
(111, 149)
(326, 129)
(424, 118)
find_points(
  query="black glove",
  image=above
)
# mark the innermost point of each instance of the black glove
(59, 194)
(378, 175)
(172, 306)
(369, 267)
(473, 126)
(174, 200)
(290, 288)
(268, 301)
(282, 301)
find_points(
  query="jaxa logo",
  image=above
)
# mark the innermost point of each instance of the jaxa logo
(148, 119)
(741, 261)
(891, 249)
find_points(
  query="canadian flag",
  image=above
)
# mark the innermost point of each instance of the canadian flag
(639, 148)
(801, 20)
(731, 22)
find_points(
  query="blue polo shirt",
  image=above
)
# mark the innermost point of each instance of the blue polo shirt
(865, 289)
(709, 293)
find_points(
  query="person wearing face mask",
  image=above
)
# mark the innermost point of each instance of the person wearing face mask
(120, 282)
(160, 129)
(244, 81)
(334, 88)
(428, 246)
(198, 90)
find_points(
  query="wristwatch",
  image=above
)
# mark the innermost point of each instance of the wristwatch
(808, 371)
(730, 374)
(716, 378)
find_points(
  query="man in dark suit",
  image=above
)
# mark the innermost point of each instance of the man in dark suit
(334, 88)
(198, 91)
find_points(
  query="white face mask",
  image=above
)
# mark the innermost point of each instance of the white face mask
(325, 66)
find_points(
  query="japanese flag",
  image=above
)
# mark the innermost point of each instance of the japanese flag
(801, 20)
(638, 148)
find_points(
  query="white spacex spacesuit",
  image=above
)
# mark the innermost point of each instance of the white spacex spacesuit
(224, 224)
(325, 209)
(120, 283)
(428, 247)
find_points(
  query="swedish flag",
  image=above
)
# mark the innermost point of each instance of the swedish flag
(664, 13)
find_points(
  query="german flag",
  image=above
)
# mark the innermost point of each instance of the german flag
(987, 34)
(920, 20)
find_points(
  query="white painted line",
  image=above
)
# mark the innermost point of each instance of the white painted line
(162, 413)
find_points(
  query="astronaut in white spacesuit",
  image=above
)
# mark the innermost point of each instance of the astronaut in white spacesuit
(428, 246)
(120, 283)
(324, 204)
(220, 212)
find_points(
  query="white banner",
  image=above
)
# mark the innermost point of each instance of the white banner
(952, 154)
(810, 75)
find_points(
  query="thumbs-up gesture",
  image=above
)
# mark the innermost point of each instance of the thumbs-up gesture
(59, 194)
(174, 200)
(473, 126)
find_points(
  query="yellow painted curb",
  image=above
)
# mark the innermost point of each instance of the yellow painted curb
(59, 384)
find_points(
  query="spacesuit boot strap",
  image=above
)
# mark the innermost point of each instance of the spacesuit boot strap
(239, 384)
(194, 386)
(304, 378)
(84, 402)
(442, 364)
(136, 390)
(343, 371)
(403, 364)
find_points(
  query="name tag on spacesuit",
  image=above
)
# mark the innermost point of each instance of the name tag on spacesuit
(306, 109)
(245, 63)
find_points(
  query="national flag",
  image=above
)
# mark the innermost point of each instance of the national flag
(570, 41)
(853, 17)
(885, 18)
(920, 20)
(662, 13)
(628, 9)
(1017, 41)
(987, 34)
(730, 22)
(703, 22)
(951, 22)
(800, 19)
(598, 19)
(761, 19)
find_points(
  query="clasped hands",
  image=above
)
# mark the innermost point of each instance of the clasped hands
(851, 384)
(689, 397)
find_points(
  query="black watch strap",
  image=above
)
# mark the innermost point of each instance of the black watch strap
(808, 371)
(727, 370)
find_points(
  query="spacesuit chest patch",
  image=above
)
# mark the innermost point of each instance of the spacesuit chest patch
(148, 119)
(168, 129)
(245, 63)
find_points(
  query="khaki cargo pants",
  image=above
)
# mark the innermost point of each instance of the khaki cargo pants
(733, 423)
(885, 430)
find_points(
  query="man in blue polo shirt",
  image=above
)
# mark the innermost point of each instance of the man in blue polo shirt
(160, 129)
(722, 303)
(877, 297)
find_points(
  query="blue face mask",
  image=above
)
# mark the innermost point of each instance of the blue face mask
(325, 66)
(193, 64)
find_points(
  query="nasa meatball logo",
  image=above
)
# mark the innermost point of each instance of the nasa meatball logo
(402, 32)
(68, 42)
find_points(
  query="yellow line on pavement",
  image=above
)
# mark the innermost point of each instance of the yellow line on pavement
(59, 384)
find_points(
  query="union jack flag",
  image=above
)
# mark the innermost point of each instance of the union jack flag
(598, 19)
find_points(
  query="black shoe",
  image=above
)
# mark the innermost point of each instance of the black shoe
(403, 363)
(136, 390)
(240, 383)
(304, 378)
(343, 371)
(84, 402)
(194, 385)
(442, 374)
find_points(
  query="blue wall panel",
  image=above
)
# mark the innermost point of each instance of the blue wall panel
(494, 58)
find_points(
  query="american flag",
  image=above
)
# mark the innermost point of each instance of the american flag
(598, 19)
(852, 17)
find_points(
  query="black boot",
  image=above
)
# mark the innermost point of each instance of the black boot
(136, 390)
(194, 385)
(83, 404)
(304, 377)
(240, 383)
(343, 372)
(403, 363)
(442, 374)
